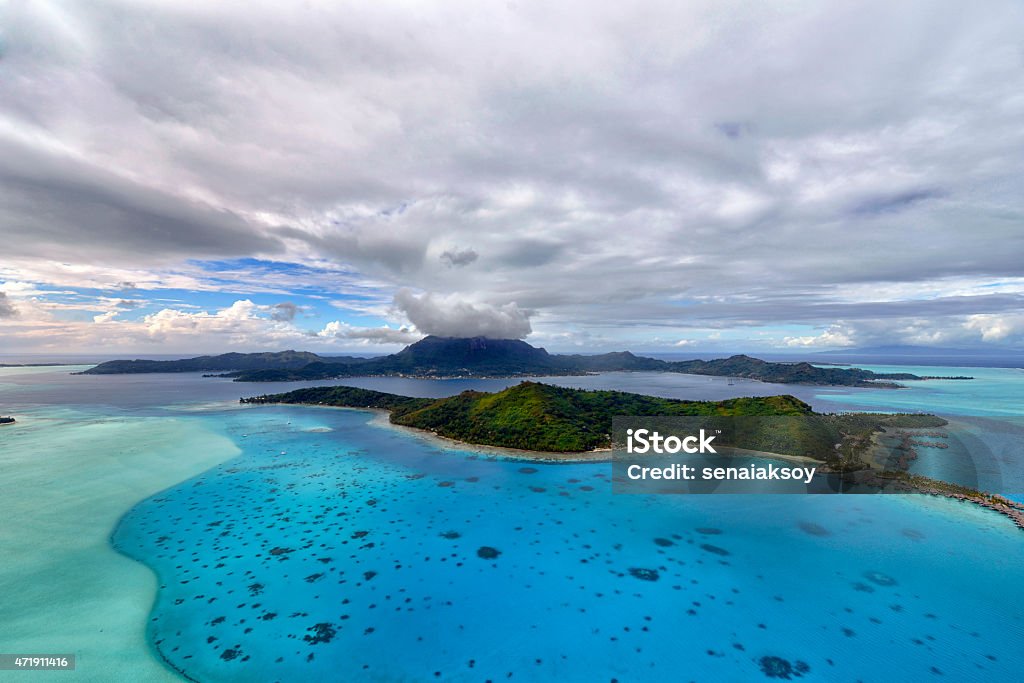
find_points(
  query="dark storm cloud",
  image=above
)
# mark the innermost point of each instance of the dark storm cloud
(58, 207)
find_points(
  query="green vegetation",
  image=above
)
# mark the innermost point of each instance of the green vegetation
(346, 397)
(541, 417)
(531, 416)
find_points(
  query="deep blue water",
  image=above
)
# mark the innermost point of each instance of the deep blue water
(336, 549)
(355, 554)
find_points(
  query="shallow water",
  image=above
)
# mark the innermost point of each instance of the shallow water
(66, 478)
(987, 435)
(993, 392)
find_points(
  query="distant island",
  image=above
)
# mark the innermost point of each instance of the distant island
(896, 354)
(7, 420)
(444, 357)
(33, 365)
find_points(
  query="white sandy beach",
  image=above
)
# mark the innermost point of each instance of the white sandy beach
(66, 481)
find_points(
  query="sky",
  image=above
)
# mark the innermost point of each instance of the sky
(185, 176)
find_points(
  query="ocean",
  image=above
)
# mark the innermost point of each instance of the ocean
(230, 542)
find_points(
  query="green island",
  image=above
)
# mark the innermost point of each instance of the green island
(532, 416)
(443, 357)
(546, 419)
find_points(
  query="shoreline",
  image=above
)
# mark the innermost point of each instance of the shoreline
(598, 455)
(881, 479)
(382, 419)
(880, 474)
(905, 482)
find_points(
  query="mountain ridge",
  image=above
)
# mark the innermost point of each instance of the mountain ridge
(443, 357)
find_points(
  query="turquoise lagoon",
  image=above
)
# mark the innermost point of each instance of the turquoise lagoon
(333, 547)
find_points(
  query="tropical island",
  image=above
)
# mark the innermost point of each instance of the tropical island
(541, 419)
(7, 420)
(530, 416)
(544, 418)
(446, 357)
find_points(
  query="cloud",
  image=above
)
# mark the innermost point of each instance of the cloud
(942, 330)
(104, 317)
(830, 338)
(241, 326)
(457, 257)
(7, 308)
(997, 327)
(119, 214)
(284, 311)
(717, 179)
(370, 335)
(449, 316)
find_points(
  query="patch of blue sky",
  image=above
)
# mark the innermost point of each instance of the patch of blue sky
(250, 276)
(75, 303)
(83, 304)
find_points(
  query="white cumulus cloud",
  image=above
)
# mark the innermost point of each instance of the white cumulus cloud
(369, 335)
(452, 316)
